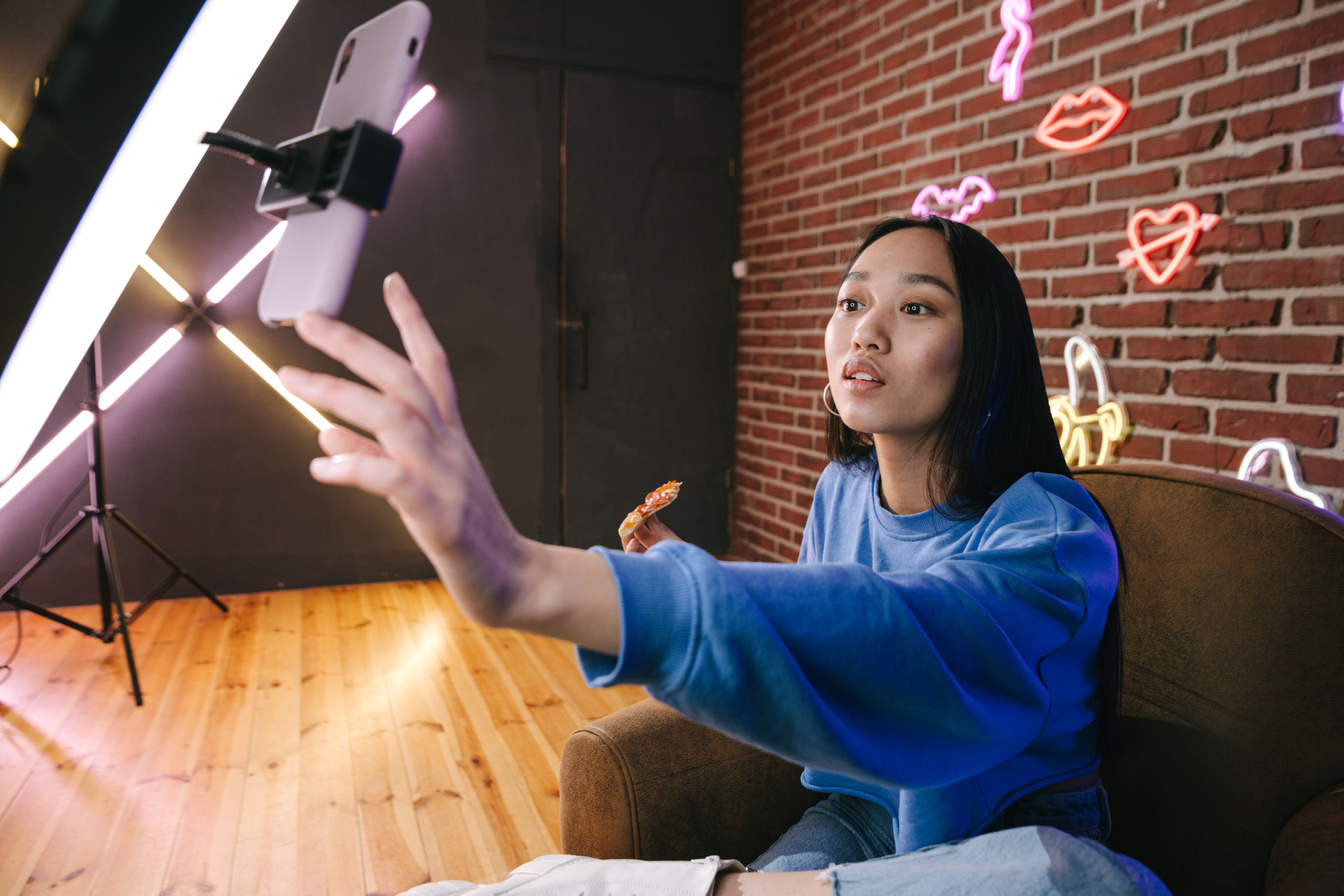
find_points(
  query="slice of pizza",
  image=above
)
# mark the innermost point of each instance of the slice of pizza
(655, 501)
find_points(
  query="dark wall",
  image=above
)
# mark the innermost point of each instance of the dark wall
(211, 463)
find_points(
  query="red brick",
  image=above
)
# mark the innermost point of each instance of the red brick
(1021, 175)
(1155, 12)
(1092, 222)
(1054, 83)
(1107, 346)
(1137, 380)
(1140, 447)
(985, 156)
(1283, 272)
(1316, 389)
(1054, 257)
(958, 32)
(1320, 32)
(1241, 18)
(1322, 471)
(1061, 17)
(921, 174)
(1055, 317)
(960, 85)
(1103, 32)
(881, 90)
(1323, 152)
(1170, 348)
(1209, 455)
(1306, 430)
(1227, 313)
(1280, 349)
(1189, 278)
(1262, 164)
(1181, 74)
(1146, 50)
(1319, 310)
(1246, 385)
(932, 119)
(1018, 232)
(1025, 119)
(1105, 158)
(902, 57)
(1175, 417)
(855, 78)
(1130, 314)
(1327, 70)
(1242, 238)
(1244, 90)
(1281, 197)
(1312, 113)
(938, 16)
(967, 135)
(1104, 284)
(1151, 183)
(928, 71)
(1197, 138)
(1152, 115)
(1049, 200)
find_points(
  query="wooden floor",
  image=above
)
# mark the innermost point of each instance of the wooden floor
(335, 741)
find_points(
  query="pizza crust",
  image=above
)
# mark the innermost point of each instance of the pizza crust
(655, 501)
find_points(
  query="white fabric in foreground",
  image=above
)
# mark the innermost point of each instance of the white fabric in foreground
(575, 876)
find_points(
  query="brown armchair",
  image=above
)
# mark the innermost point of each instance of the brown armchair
(1231, 780)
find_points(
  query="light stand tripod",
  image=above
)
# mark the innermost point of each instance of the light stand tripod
(97, 513)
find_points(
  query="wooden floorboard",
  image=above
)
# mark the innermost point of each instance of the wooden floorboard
(340, 741)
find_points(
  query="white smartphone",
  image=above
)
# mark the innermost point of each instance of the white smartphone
(312, 266)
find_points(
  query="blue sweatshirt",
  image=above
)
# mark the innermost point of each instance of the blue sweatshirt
(943, 669)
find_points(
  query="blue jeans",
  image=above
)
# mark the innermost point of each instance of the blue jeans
(843, 829)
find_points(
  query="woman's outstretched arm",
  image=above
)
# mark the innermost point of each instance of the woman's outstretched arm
(421, 461)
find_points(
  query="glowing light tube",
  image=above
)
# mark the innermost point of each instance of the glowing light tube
(8, 136)
(220, 291)
(151, 267)
(84, 419)
(200, 84)
(414, 105)
(259, 367)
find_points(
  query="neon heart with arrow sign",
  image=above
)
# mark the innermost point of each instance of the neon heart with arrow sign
(973, 188)
(1141, 252)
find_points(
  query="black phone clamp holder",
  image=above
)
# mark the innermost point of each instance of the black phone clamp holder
(356, 164)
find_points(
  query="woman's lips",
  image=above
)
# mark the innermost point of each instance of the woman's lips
(861, 376)
(1106, 110)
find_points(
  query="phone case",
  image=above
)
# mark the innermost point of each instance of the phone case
(312, 266)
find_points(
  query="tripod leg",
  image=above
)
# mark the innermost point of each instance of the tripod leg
(162, 555)
(109, 585)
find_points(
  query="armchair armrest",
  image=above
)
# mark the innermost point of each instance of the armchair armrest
(647, 783)
(1308, 856)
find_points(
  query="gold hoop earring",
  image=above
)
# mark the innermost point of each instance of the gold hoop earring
(828, 401)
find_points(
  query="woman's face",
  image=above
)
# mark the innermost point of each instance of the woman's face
(893, 344)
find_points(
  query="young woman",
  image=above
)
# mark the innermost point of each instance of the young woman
(933, 659)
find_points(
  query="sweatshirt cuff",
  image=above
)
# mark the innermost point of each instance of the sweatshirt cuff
(658, 620)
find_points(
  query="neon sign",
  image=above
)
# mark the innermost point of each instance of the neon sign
(972, 187)
(1257, 456)
(1013, 14)
(1141, 252)
(1074, 427)
(1095, 104)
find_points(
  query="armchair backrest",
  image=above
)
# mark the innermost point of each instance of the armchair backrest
(1233, 692)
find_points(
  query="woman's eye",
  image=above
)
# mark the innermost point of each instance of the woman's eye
(916, 308)
(848, 304)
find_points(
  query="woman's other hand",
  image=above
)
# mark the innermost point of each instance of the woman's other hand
(421, 461)
(647, 535)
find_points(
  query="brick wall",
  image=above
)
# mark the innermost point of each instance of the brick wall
(850, 108)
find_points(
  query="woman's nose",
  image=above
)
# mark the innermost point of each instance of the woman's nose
(872, 332)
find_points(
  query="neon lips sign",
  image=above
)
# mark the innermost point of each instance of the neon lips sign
(1140, 252)
(1073, 115)
(1014, 15)
(973, 188)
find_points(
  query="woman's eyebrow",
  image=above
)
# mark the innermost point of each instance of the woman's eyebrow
(911, 278)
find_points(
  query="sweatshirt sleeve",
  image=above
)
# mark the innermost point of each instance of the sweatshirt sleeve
(907, 679)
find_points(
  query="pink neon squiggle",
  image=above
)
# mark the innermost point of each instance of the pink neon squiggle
(1013, 14)
(939, 196)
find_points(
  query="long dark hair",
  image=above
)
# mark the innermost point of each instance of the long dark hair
(997, 426)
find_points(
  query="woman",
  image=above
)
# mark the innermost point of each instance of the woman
(932, 659)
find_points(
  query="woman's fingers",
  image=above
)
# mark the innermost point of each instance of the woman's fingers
(366, 357)
(423, 348)
(339, 440)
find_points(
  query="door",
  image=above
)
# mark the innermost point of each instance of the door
(650, 233)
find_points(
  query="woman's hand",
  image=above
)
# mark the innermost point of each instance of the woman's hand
(647, 535)
(421, 461)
